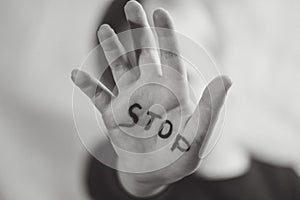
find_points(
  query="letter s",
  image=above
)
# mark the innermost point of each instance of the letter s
(133, 116)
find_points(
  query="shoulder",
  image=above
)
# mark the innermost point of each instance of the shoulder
(281, 180)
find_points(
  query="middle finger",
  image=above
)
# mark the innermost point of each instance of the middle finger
(143, 38)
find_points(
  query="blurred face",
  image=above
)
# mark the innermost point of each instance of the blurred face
(191, 18)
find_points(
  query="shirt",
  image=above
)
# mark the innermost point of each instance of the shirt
(261, 182)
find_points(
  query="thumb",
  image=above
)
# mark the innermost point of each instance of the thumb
(207, 111)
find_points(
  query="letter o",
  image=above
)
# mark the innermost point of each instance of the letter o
(160, 133)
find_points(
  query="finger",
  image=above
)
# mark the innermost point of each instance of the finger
(116, 56)
(143, 37)
(207, 112)
(94, 89)
(168, 45)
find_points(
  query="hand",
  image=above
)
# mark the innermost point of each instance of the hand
(152, 114)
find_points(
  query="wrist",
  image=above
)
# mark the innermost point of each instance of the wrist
(130, 182)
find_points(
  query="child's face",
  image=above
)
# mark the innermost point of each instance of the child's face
(191, 18)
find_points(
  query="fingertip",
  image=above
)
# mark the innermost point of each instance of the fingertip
(80, 78)
(215, 93)
(104, 32)
(74, 73)
(134, 11)
(220, 83)
(162, 18)
(226, 82)
(160, 12)
(132, 4)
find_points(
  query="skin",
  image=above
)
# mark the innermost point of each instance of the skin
(135, 85)
(229, 158)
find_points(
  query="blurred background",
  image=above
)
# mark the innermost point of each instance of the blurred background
(256, 43)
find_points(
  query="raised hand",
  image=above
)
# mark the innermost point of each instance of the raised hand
(156, 129)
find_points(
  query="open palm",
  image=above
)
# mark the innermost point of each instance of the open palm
(154, 126)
